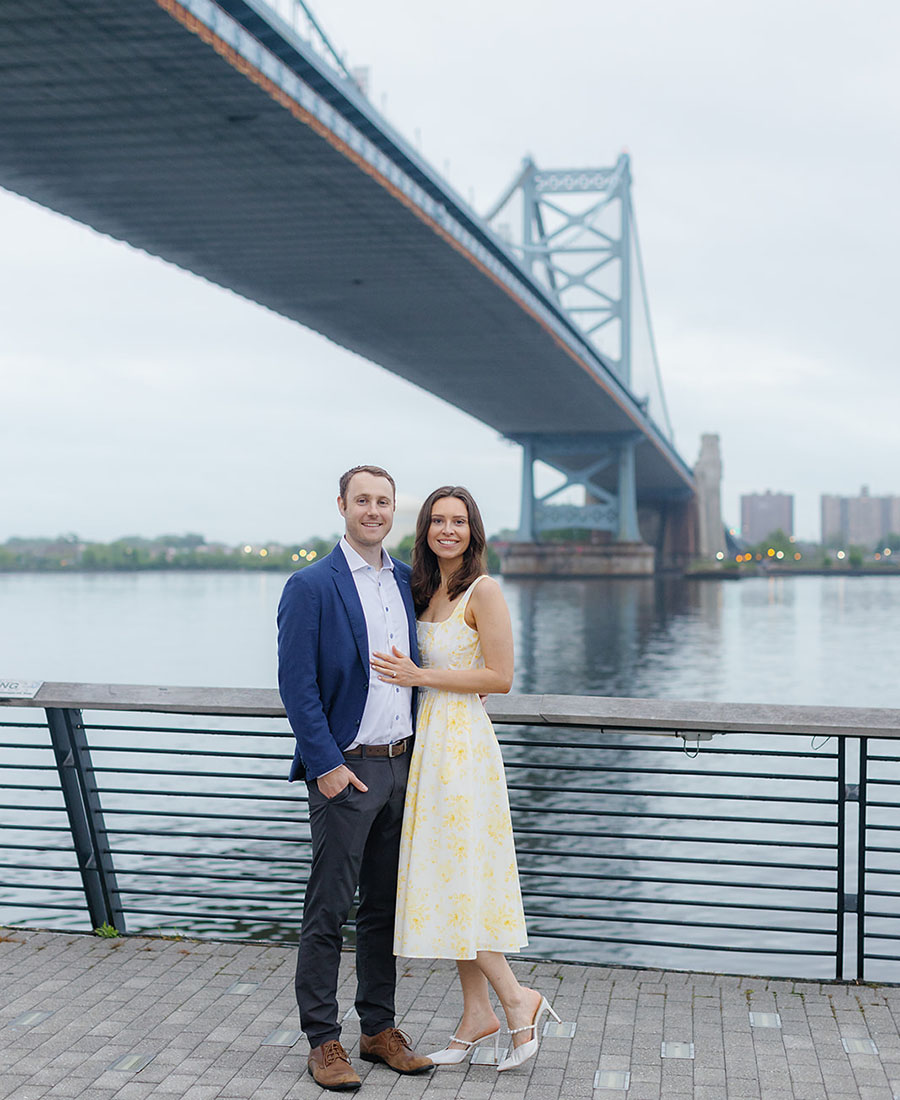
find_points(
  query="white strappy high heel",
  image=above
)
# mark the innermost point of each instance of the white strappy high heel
(524, 1051)
(451, 1056)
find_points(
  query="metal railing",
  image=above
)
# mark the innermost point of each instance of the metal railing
(298, 15)
(708, 836)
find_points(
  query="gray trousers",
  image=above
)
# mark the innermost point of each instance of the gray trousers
(355, 844)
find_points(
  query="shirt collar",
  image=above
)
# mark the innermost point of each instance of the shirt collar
(356, 562)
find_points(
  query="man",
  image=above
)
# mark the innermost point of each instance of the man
(354, 738)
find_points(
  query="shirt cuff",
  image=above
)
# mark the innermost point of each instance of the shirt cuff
(330, 770)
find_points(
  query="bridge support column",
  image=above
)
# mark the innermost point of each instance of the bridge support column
(628, 530)
(527, 526)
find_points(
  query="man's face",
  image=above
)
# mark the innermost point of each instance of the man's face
(368, 510)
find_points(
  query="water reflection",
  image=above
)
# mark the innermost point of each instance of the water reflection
(827, 641)
(602, 636)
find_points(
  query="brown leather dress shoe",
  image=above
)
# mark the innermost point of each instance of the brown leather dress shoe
(392, 1047)
(329, 1066)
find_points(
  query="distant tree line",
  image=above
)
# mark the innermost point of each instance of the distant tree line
(191, 551)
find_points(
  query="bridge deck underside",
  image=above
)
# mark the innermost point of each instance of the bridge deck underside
(117, 116)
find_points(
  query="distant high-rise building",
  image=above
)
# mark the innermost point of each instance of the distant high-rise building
(834, 518)
(764, 513)
(859, 521)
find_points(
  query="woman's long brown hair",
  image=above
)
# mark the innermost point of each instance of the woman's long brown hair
(426, 573)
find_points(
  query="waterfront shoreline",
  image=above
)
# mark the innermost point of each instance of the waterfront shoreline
(788, 571)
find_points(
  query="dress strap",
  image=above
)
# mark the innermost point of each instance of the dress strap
(468, 592)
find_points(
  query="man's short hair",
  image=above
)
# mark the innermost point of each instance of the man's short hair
(375, 471)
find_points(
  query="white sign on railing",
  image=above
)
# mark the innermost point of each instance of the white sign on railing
(19, 689)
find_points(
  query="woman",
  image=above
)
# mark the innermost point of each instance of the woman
(458, 891)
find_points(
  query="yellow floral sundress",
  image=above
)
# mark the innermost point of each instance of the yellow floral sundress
(458, 883)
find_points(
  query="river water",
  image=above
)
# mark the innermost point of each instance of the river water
(816, 640)
(812, 640)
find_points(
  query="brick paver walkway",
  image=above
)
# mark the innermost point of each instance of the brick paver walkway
(190, 1020)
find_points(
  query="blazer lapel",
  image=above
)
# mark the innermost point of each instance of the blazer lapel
(406, 595)
(346, 587)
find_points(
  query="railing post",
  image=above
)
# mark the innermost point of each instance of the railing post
(76, 777)
(840, 871)
(861, 862)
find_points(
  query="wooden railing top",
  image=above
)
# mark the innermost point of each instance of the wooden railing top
(647, 715)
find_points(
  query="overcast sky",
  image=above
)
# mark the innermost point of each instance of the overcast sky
(764, 141)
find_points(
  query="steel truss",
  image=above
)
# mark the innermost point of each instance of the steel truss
(579, 239)
(604, 511)
(582, 251)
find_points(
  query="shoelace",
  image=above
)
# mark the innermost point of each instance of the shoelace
(398, 1039)
(333, 1052)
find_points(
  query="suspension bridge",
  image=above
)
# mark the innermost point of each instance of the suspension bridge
(230, 139)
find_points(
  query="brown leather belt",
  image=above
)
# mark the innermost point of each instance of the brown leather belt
(398, 748)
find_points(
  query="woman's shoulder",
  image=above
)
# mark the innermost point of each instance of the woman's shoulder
(485, 604)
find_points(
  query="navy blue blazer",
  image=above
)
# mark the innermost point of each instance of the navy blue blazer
(323, 659)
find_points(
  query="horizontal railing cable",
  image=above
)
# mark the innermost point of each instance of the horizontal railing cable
(681, 772)
(681, 794)
(214, 753)
(609, 877)
(644, 899)
(667, 816)
(712, 861)
(769, 949)
(706, 750)
(197, 731)
(295, 799)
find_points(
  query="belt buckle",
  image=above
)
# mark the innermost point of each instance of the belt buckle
(399, 752)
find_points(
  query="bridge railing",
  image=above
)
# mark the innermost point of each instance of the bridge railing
(725, 837)
(298, 15)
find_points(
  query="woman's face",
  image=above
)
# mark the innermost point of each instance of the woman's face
(448, 532)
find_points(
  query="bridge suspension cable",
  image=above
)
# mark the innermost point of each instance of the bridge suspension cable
(661, 403)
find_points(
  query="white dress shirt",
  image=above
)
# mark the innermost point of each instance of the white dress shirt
(387, 716)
